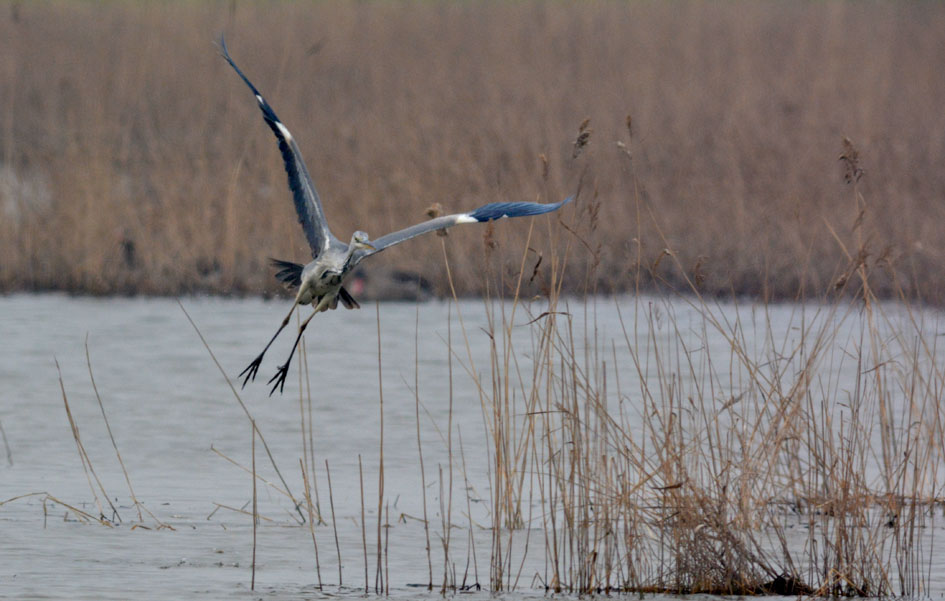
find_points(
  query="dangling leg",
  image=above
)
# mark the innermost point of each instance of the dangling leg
(283, 370)
(253, 367)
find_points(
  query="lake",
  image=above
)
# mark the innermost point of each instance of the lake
(187, 443)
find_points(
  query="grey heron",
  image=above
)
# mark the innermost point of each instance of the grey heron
(321, 281)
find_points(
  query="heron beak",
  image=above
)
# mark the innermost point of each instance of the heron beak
(367, 246)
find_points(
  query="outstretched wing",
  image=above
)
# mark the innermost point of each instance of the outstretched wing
(489, 212)
(307, 204)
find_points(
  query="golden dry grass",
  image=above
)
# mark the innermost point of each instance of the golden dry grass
(711, 448)
(134, 161)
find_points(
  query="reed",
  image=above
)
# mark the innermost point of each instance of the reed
(311, 521)
(423, 473)
(87, 462)
(334, 523)
(252, 582)
(379, 573)
(6, 445)
(108, 428)
(133, 162)
(690, 447)
(286, 490)
(717, 451)
(367, 588)
(96, 485)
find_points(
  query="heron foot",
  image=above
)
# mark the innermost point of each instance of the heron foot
(279, 378)
(252, 369)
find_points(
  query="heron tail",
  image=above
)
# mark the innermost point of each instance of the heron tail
(347, 300)
(289, 273)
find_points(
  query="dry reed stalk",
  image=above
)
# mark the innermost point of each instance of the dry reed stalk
(84, 458)
(6, 445)
(311, 436)
(378, 576)
(81, 515)
(108, 428)
(423, 475)
(363, 527)
(240, 510)
(303, 373)
(138, 505)
(447, 584)
(386, 549)
(249, 416)
(249, 470)
(446, 500)
(448, 514)
(252, 585)
(311, 521)
(334, 524)
(471, 544)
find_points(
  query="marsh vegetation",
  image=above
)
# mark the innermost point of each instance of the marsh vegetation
(132, 161)
(690, 434)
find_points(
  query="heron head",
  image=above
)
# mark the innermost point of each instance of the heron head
(361, 241)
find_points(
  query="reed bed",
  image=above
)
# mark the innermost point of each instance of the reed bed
(703, 448)
(811, 464)
(689, 447)
(133, 161)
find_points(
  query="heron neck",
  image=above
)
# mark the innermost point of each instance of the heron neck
(349, 255)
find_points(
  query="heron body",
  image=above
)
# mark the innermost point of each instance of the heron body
(320, 283)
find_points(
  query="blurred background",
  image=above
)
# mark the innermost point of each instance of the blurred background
(134, 161)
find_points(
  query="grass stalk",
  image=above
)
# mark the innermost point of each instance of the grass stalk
(334, 523)
(379, 575)
(108, 428)
(363, 527)
(252, 585)
(84, 458)
(423, 475)
(311, 521)
(6, 445)
(249, 416)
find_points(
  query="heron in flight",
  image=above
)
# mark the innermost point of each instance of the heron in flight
(321, 281)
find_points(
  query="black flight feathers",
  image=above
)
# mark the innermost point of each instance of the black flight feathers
(498, 210)
(290, 273)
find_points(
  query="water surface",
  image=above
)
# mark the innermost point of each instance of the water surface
(176, 421)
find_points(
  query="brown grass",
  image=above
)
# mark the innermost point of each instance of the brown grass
(696, 447)
(133, 160)
(720, 452)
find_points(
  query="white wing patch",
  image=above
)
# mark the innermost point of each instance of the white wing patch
(284, 131)
(466, 218)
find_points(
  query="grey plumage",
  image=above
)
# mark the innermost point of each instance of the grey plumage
(320, 282)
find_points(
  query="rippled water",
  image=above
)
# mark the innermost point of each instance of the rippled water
(176, 422)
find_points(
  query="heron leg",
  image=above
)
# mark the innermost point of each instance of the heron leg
(283, 370)
(253, 368)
